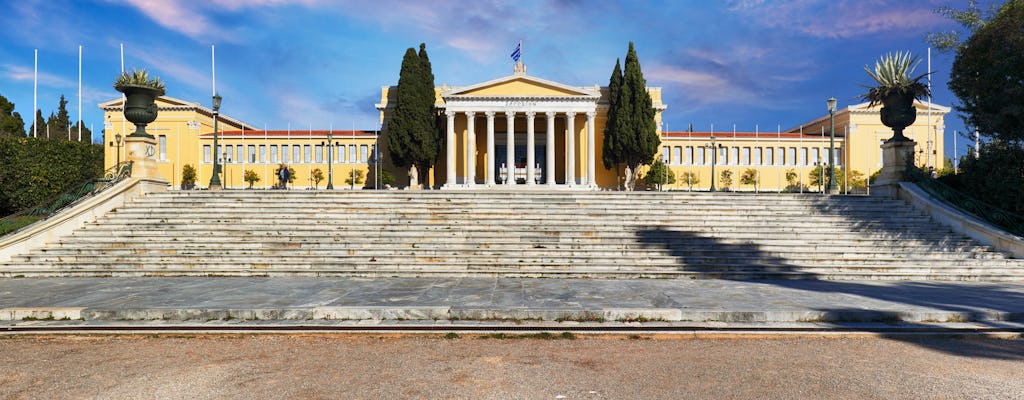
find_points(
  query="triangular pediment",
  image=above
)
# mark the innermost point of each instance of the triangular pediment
(162, 101)
(520, 86)
(920, 105)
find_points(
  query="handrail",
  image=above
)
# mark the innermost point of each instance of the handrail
(1006, 220)
(89, 188)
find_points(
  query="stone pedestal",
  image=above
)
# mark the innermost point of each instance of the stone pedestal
(897, 160)
(141, 151)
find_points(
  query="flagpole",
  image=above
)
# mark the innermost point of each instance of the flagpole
(928, 135)
(35, 96)
(80, 93)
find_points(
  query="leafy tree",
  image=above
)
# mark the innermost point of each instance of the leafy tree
(11, 123)
(656, 175)
(987, 76)
(609, 150)
(59, 124)
(725, 179)
(749, 177)
(791, 179)
(40, 123)
(359, 175)
(86, 132)
(251, 177)
(386, 178)
(636, 135)
(413, 137)
(34, 172)
(188, 177)
(996, 176)
(856, 180)
(317, 175)
(690, 178)
(970, 19)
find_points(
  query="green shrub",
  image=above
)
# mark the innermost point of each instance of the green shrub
(36, 171)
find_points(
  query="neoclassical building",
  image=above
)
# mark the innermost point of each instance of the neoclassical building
(549, 133)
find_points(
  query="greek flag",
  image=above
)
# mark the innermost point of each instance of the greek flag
(517, 53)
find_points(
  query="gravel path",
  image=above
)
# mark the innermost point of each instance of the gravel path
(471, 367)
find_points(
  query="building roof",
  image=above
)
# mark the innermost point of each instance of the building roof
(863, 108)
(174, 104)
(725, 136)
(296, 134)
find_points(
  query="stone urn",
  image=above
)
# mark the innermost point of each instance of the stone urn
(140, 106)
(898, 112)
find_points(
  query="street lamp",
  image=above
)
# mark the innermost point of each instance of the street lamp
(832, 188)
(714, 158)
(330, 146)
(215, 179)
(117, 145)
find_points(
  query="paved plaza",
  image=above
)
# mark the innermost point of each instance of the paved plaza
(565, 302)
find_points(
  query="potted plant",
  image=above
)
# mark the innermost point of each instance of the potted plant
(140, 93)
(896, 91)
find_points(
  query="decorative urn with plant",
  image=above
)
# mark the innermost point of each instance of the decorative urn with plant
(896, 91)
(140, 93)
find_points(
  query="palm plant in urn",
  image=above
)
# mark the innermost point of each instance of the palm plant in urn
(140, 93)
(896, 91)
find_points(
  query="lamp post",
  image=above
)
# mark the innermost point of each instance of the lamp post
(832, 188)
(330, 146)
(714, 158)
(117, 144)
(215, 179)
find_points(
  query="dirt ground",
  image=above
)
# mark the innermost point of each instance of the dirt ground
(472, 367)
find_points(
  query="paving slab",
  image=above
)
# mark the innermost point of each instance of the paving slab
(467, 300)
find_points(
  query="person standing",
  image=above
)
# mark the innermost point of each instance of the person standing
(282, 176)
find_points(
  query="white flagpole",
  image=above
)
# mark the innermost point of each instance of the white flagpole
(213, 68)
(802, 149)
(124, 100)
(267, 159)
(928, 136)
(35, 96)
(779, 156)
(79, 93)
(757, 171)
(954, 151)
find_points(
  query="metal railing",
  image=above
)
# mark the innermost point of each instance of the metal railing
(68, 198)
(1006, 220)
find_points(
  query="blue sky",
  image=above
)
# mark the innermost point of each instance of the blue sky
(303, 62)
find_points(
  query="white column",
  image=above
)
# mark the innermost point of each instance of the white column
(550, 150)
(450, 153)
(471, 148)
(510, 157)
(530, 156)
(591, 152)
(490, 147)
(570, 148)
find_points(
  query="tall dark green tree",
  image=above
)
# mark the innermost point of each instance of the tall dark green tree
(609, 150)
(86, 132)
(61, 122)
(40, 123)
(11, 123)
(636, 134)
(413, 137)
(988, 78)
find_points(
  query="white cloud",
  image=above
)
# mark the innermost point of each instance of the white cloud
(179, 16)
(829, 19)
(20, 73)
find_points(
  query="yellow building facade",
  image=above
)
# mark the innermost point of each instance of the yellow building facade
(184, 134)
(520, 131)
(775, 156)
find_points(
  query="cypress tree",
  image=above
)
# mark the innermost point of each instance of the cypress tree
(60, 123)
(11, 123)
(609, 152)
(39, 126)
(412, 129)
(636, 132)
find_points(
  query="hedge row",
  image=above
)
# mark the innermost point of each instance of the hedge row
(34, 171)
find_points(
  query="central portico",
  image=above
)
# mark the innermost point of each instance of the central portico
(534, 132)
(519, 131)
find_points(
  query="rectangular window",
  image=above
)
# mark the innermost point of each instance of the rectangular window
(206, 154)
(723, 156)
(734, 155)
(803, 156)
(839, 156)
(307, 154)
(769, 155)
(296, 154)
(700, 155)
(263, 153)
(780, 156)
(252, 153)
(665, 155)
(352, 154)
(319, 151)
(364, 153)
(336, 154)
(757, 156)
(814, 156)
(241, 154)
(791, 156)
(689, 154)
(163, 147)
(273, 154)
(677, 154)
(284, 153)
(746, 156)
(229, 153)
